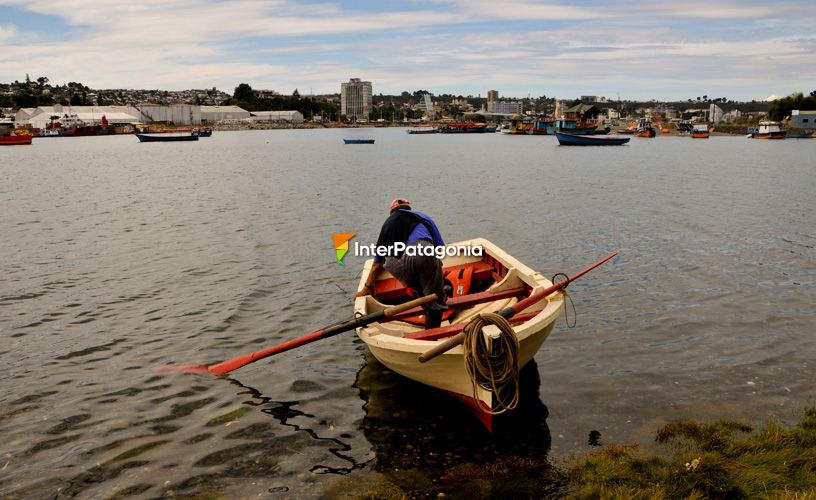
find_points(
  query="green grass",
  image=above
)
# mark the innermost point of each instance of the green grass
(720, 460)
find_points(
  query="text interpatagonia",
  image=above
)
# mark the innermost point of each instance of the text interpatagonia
(400, 248)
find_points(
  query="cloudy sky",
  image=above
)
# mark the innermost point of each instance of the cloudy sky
(638, 49)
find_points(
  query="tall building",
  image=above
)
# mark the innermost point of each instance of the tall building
(425, 103)
(355, 99)
(492, 97)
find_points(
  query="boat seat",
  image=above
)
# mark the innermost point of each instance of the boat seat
(390, 289)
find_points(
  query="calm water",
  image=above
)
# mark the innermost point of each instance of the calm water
(117, 256)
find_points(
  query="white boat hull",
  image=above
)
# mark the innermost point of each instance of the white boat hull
(447, 371)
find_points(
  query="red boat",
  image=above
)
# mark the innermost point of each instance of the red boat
(15, 140)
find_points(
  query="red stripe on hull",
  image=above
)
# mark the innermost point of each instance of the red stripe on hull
(477, 408)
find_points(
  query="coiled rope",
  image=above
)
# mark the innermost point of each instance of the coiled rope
(496, 372)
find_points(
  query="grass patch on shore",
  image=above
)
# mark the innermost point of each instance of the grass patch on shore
(717, 460)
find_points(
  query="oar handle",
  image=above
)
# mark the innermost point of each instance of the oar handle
(394, 310)
(442, 347)
(509, 312)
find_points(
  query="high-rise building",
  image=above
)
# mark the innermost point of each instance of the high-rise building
(492, 97)
(355, 99)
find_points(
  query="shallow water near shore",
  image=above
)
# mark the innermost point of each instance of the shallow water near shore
(118, 256)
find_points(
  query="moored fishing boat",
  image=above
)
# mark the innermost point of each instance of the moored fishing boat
(700, 131)
(15, 140)
(645, 129)
(801, 135)
(166, 137)
(466, 128)
(481, 284)
(581, 119)
(767, 130)
(422, 129)
(589, 140)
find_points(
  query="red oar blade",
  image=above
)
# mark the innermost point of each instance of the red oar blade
(233, 364)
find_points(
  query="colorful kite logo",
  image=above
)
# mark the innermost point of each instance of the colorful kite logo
(341, 245)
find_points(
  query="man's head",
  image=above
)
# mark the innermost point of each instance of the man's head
(400, 203)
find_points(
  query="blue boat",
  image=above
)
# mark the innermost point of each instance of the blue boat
(589, 140)
(358, 141)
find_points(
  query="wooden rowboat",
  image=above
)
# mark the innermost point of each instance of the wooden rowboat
(489, 283)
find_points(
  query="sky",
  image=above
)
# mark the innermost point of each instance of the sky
(638, 49)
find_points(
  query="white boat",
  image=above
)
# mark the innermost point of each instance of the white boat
(422, 129)
(767, 130)
(489, 283)
(700, 131)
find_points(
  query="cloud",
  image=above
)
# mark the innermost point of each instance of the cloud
(455, 46)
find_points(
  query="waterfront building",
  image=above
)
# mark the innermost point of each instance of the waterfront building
(213, 114)
(42, 116)
(276, 116)
(592, 98)
(356, 99)
(803, 119)
(177, 114)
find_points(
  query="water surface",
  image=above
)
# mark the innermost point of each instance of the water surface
(118, 256)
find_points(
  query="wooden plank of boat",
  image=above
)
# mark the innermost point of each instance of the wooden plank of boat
(565, 139)
(393, 346)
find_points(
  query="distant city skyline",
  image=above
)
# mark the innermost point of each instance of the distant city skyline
(742, 50)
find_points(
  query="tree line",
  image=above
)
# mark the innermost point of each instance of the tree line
(781, 108)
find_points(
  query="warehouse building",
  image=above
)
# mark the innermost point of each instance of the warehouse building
(214, 114)
(803, 119)
(276, 116)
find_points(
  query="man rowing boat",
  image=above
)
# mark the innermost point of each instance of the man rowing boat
(421, 271)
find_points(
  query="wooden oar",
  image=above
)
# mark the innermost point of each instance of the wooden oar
(509, 312)
(233, 364)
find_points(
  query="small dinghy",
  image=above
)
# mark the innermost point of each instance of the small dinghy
(493, 283)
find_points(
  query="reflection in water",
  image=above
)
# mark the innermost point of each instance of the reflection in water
(425, 441)
(284, 411)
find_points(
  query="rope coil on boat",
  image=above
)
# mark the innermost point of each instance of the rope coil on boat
(496, 372)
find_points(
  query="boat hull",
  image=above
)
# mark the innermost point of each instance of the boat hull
(393, 346)
(648, 133)
(589, 140)
(700, 135)
(166, 138)
(358, 141)
(15, 140)
(771, 135)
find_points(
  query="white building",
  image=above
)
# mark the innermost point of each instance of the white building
(715, 113)
(276, 116)
(425, 104)
(42, 116)
(214, 114)
(507, 107)
(176, 114)
(356, 99)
